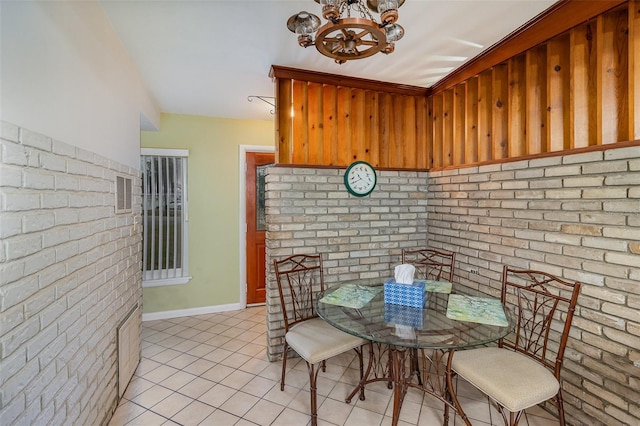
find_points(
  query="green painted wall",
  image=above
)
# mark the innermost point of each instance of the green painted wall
(213, 206)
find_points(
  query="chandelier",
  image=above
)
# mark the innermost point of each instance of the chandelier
(351, 31)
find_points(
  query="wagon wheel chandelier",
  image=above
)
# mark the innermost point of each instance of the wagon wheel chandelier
(345, 37)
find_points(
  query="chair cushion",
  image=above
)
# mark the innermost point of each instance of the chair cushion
(513, 380)
(315, 340)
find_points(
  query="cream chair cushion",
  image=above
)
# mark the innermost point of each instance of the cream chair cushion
(315, 340)
(513, 380)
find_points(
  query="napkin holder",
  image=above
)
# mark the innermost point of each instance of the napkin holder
(403, 315)
(405, 294)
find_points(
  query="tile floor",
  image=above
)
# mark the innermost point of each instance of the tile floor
(213, 370)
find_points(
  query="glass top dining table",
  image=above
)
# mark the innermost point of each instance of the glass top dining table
(427, 335)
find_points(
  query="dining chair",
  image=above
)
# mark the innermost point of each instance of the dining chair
(300, 277)
(431, 264)
(524, 369)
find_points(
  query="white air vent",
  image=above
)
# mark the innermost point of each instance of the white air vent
(128, 348)
(123, 194)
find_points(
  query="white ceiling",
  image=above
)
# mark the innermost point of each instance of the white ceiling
(206, 57)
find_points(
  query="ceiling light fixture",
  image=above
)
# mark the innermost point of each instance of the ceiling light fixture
(345, 37)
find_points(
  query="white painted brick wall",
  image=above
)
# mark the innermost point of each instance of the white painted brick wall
(577, 216)
(310, 211)
(69, 273)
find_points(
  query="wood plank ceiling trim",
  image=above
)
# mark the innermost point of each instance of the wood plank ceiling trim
(287, 73)
(563, 15)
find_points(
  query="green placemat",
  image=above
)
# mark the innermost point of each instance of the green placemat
(436, 286)
(483, 310)
(351, 296)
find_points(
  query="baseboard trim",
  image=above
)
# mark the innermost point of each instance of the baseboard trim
(152, 316)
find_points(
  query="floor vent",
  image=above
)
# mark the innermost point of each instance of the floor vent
(128, 348)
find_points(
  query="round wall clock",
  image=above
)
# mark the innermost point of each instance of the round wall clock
(360, 178)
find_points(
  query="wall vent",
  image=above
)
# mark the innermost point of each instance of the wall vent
(124, 196)
(128, 348)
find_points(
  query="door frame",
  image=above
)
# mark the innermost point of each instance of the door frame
(242, 154)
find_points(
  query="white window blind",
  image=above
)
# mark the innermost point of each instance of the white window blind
(165, 217)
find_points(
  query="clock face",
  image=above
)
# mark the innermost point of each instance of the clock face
(360, 178)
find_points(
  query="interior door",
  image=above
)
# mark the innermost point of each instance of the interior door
(257, 163)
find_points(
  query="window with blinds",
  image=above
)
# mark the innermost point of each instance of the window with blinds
(165, 217)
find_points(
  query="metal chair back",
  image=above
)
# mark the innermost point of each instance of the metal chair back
(299, 278)
(544, 306)
(431, 264)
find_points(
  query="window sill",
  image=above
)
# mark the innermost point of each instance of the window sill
(167, 281)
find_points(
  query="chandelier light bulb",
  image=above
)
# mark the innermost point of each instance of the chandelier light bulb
(303, 23)
(388, 10)
(394, 33)
(331, 9)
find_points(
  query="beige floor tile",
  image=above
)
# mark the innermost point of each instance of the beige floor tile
(282, 397)
(171, 342)
(151, 349)
(157, 337)
(182, 360)
(188, 334)
(218, 355)
(217, 373)
(199, 367)
(178, 380)
(201, 349)
(217, 395)
(302, 401)
(148, 418)
(239, 404)
(235, 360)
(476, 410)
(193, 414)
(296, 378)
(273, 371)
(157, 375)
(259, 386)
(136, 387)
(203, 336)
(196, 387)
(232, 332)
(209, 357)
(430, 416)
(264, 412)
(237, 379)
(151, 396)
(388, 421)
(334, 412)
(220, 418)
(409, 413)
(234, 345)
(126, 412)
(251, 349)
(145, 366)
(171, 405)
(290, 417)
(540, 412)
(254, 366)
(359, 417)
(244, 422)
(374, 401)
(218, 340)
(325, 385)
(540, 421)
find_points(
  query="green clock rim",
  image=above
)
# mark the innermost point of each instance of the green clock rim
(346, 180)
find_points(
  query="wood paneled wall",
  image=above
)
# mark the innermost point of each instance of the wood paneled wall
(575, 89)
(333, 122)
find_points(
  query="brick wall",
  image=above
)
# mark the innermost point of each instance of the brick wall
(310, 211)
(577, 216)
(69, 273)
